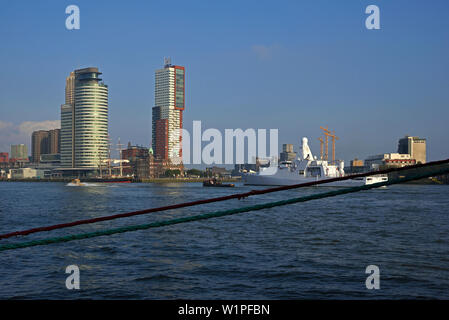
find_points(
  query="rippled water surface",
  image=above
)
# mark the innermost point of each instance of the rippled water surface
(317, 249)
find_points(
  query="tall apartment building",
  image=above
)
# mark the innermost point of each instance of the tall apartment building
(39, 145)
(44, 142)
(287, 153)
(19, 152)
(54, 141)
(84, 120)
(167, 112)
(414, 146)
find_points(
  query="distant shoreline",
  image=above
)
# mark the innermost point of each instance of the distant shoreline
(170, 180)
(153, 180)
(439, 180)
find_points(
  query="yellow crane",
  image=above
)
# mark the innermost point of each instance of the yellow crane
(326, 143)
(327, 134)
(321, 147)
(334, 137)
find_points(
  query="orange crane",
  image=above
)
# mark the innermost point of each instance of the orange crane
(321, 147)
(328, 134)
(334, 137)
(326, 143)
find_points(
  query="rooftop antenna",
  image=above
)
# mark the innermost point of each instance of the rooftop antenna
(167, 61)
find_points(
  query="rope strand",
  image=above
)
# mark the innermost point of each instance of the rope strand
(217, 213)
(211, 200)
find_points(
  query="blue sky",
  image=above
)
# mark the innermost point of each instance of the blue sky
(292, 65)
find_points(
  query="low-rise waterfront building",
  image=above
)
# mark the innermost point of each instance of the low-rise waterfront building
(356, 166)
(139, 161)
(414, 146)
(52, 158)
(389, 160)
(29, 173)
(217, 171)
(356, 163)
(4, 157)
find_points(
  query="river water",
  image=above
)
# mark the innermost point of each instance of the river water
(313, 250)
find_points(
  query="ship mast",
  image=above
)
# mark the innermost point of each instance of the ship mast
(99, 163)
(119, 148)
(109, 155)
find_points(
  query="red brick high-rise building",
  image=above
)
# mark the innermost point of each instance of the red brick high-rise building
(167, 112)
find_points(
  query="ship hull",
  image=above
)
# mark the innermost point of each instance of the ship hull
(261, 180)
(272, 180)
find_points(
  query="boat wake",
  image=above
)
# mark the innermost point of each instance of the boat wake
(83, 184)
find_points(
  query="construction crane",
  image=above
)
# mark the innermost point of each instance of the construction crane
(334, 137)
(327, 134)
(321, 147)
(326, 143)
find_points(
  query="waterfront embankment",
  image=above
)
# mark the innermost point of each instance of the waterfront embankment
(152, 180)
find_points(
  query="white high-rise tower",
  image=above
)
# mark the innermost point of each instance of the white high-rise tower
(84, 120)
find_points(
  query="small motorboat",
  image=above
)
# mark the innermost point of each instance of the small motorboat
(76, 183)
(216, 183)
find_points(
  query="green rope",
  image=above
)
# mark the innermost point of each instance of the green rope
(217, 213)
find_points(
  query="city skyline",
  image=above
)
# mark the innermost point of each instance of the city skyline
(163, 143)
(372, 88)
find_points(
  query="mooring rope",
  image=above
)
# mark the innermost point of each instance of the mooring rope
(217, 214)
(217, 199)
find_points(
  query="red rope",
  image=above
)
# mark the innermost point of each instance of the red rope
(210, 200)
